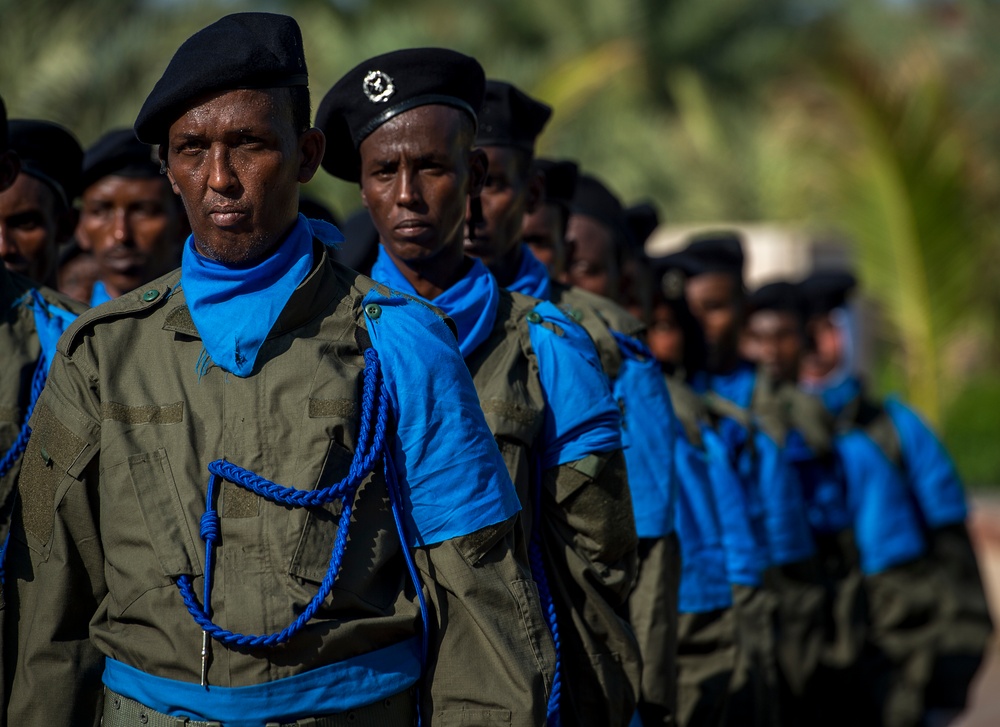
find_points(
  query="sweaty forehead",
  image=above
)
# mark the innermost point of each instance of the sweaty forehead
(232, 111)
(423, 130)
(116, 186)
(27, 194)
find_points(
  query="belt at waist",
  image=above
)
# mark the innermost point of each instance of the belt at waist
(398, 710)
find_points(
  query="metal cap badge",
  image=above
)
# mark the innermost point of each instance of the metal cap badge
(378, 86)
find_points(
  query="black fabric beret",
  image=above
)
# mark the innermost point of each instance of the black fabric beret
(118, 152)
(510, 117)
(49, 152)
(779, 296)
(593, 199)
(243, 50)
(826, 291)
(711, 252)
(560, 180)
(3, 126)
(642, 221)
(383, 87)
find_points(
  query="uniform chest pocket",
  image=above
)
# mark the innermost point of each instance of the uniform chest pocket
(372, 540)
(149, 554)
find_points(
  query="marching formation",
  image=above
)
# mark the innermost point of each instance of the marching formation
(472, 458)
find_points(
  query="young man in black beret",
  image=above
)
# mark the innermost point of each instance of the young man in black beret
(130, 219)
(36, 212)
(160, 574)
(32, 318)
(403, 125)
(510, 121)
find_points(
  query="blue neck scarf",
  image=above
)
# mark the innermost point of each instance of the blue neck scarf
(234, 308)
(532, 277)
(471, 302)
(99, 294)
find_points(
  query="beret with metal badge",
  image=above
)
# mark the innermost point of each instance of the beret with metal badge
(381, 88)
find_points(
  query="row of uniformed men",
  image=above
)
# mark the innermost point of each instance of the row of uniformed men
(502, 495)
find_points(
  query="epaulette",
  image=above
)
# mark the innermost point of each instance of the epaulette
(580, 303)
(148, 297)
(365, 284)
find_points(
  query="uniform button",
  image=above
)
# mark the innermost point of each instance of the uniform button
(534, 317)
(373, 310)
(143, 718)
(388, 703)
(351, 717)
(150, 295)
(118, 703)
(576, 314)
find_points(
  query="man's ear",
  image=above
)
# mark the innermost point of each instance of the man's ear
(164, 169)
(312, 145)
(536, 188)
(478, 167)
(10, 167)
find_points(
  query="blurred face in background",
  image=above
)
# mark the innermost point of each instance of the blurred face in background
(592, 263)
(826, 352)
(776, 342)
(543, 232)
(664, 335)
(33, 222)
(716, 301)
(134, 229)
(509, 191)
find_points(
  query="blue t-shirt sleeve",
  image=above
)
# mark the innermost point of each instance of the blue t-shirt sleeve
(581, 416)
(931, 472)
(648, 432)
(453, 480)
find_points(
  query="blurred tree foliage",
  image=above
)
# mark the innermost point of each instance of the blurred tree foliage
(875, 119)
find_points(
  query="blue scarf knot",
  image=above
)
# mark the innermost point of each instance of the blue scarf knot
(235, 308)
(471, 302)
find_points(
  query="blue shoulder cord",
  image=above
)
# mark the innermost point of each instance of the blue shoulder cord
(21, 443)
(553, 716)
(365, 457)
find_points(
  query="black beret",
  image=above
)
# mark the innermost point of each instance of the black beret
(510, 117)
(667, 276)
(118, 152)
(779, 296)
(3, 126)
(642, 221)
(360, 246)
(826, 291)
(711, 252)
(560, 180)
(243, 50)
(383, 87)
(593, 199)
(48, 152)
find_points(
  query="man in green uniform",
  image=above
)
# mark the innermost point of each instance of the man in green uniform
(402, 125)
(36, 212)
(510, 121)
(130, 220)
(929, 614)
(246, 602)
(31, 319)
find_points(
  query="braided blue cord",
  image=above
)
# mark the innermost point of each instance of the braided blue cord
(364, 459)
(21, 442)
(553, 715)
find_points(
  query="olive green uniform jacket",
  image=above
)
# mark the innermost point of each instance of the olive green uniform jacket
(653, 603)
(113, 488)
(586, 525)
(19, 353)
